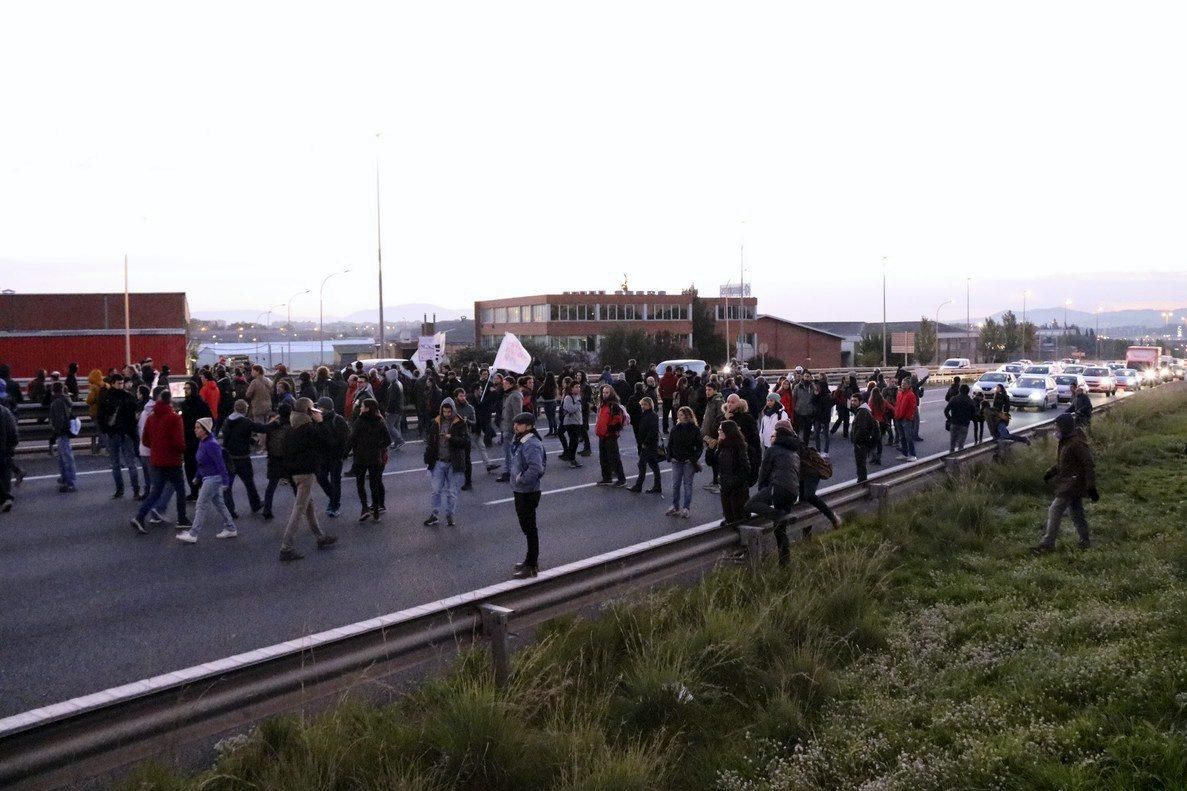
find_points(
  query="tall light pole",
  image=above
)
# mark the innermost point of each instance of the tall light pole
(1025, 335)
(968, 313)
(289, 355)
(127, 318)
(1096, 332)
(937, 325)
(1066, 303)
(884, 339)
(379, 243)
(321, 332)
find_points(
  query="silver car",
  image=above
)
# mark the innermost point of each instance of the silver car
(1038, 392)
(1128, 379)
(989, 381)
(1066, 384)
(1100, 380)
(1073, 369)
(1042, 369)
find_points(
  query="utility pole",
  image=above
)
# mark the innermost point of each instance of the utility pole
(968, 314)
(884, 339)
(127, 318)
(1024, 333)
(741, 302)
(379, 248)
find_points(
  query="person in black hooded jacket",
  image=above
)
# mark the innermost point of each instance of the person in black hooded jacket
(733, 469)
(779, 485)
(647, 441)
(369, 441)
(739, 412)
(192, 408)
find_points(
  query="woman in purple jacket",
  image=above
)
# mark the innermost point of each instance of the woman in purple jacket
(214, 478)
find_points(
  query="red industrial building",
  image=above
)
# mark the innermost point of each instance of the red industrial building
(51, 330)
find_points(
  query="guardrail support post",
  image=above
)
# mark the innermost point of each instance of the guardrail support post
(752, 540)
(880, 494)
(952, 465)
(494, 626)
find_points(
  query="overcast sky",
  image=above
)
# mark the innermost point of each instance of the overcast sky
(230, 150)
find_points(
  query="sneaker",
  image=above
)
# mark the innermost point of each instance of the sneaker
(585, 453)
(228, 533)
(524, 573)
(634, 489)
(603, 483)
(364, 516)
(466, 487)
(6, 506)
(19, 477)
(449, 522)
(330, 512)
(139, 496)
(901, 457)
(824, 455)
(492, 467)
(154, 518)
(325, 542)
(574, 465)
(503, 479)
(432, 520)
(684, 512)
(912, 458)
(655, 490)
(287, 555)
(382, 508)
(375, 516)
(138, 526)
(267, 515)
(186, 537)
(712, 488)
(620, 483)
(185, 523)
(673, 511)
(119, 493)
(66, 489)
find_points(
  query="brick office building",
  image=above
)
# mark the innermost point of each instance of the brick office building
(51, 330)
(578, 320)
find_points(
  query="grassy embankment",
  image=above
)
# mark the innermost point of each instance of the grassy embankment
(926, 651)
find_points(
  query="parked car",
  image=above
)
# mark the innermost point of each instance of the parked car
(1014, 369)
(696, 366)
(1128, 379)
(1075, 368)
(1066, 385)
(1100, 380)
(1042, 369)
(954, 365)
(1038, 392)
(988, 382)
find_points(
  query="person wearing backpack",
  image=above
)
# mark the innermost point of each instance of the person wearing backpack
(117, 420)
(778, 485)
(865, 434)
(528, 464)
(813, 470)
(274, 442)
(611, 420)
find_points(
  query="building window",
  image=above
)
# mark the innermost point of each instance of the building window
(734, 311)
(573, 312)
(539, 313)
(669, 313)
(500, 315)
(488, 315)
(513, 315)
(620, 312)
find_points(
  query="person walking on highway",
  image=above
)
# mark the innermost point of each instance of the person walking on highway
(958, 415)
(647, 442)
(1001, 399)
(394, 409)
(61, 416)
(668, 383)
(866, 436)
(771, 414)
(192, 408)
(778, 485)
(528, 463)
(733, 464)
(586, 408)
(329, 475)
(445, 456)
(546, 398)
(906, 407)
(259, 395)
(237, 433)
(815, 468)
(117, 420)
(684, 449)
(822, 402)
(713, 414)
(978, 417)
(512, 406)
(369, 441)
(953, 391)
(805, 408)
(164, 436)
(9, 437)
(571, 422)
(465, 411)
(213, 471)
(1074, 477)
(612, 418)
(305, 446)
(1081, 409)
(274, 441)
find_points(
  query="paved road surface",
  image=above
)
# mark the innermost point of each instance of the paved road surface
(88, 604)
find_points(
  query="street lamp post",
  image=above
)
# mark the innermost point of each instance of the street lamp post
(289, 354)
(937, 325)
(321, 332)
(1066, 303)
(968, 312)
(1025, 294)
(884, 311)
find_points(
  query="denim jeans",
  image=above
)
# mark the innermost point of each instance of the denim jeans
(808, 484)
(446, 483)
(210, 496)
(1055, 516)
(66, 461)
(682, 474)
(906, 436)
(158, 497)
(329, 477)
(393, 428)
(123, 452)
(822, 432)
(550, 413)
(508, 441)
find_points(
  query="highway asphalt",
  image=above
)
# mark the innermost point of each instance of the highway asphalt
(89, 604)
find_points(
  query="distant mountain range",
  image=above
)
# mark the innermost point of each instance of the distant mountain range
(391, 314)
(1146, 319)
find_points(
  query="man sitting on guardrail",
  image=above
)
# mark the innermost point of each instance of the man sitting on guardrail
(1074, 475)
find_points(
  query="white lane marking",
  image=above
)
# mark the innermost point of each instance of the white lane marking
(558, 491)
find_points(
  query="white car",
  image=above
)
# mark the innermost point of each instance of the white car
(989, 381)
(1067, 383)
(1038, 392)
(1075, 368)
(954, 365)
(1100, 380)
(1128, 379)
(1042, 369)
(696, 366)
(1013, 368)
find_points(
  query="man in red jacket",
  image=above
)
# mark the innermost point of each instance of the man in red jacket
(905, 409)
(164, 437)
(611, 420)
(667, 390)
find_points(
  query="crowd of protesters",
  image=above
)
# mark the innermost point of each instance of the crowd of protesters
(765, 441)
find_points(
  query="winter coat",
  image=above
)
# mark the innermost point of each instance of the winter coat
(906, 405)
(865, 432)
(61, 411)
(611, 419)
(512, 406)
(274, 443)
(164, 436)
(305, 445)
(647, 436)
(191, 410)
(802, 394)
(528, 462)
(822, 404)
(960, 410)
(211, 396)
(749, 428)
(259, 396)
(667, 385)
(766, 425)
(733, 465)
(369, 440)
(781, 463)
(712, 418)
(1074, 471)
(459, 441)
(1081, 407)
(237, 431)
(9, 437)
(117, 412)
(571, 411)
(684, 443)
(210, 461)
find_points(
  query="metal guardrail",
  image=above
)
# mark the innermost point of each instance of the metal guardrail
(81, 738)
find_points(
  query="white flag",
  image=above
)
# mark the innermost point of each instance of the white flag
(512, 356)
